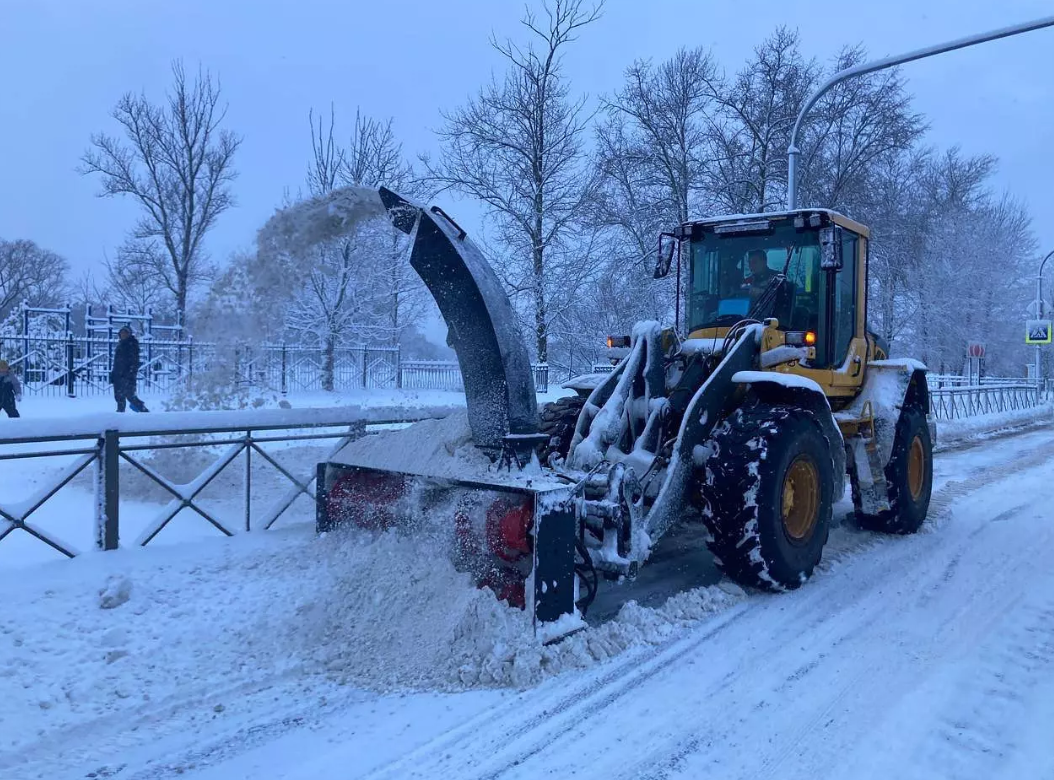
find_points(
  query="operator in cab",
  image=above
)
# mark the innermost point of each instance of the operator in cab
(760, 273)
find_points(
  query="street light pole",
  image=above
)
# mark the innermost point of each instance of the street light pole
(1039, 308)
(889, 62)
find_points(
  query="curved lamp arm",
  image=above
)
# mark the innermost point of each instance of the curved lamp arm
(889, 62)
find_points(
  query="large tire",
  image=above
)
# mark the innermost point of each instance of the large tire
(768, 490)
(909, 478)
(558, 420)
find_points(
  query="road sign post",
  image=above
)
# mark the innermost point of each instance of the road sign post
(975, 354)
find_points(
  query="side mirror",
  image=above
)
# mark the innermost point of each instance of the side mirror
(831, 248)
(667, 251)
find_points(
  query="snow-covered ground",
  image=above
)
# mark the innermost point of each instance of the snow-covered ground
(282, 655)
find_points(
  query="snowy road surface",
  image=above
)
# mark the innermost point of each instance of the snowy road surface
(283, 656)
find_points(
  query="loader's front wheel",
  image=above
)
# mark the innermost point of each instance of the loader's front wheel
(768, 494)
(909, 478)
(558, 420)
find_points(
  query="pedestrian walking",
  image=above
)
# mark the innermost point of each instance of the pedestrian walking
(124, 375)
(10, 390)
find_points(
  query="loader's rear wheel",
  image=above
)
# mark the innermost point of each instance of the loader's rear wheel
(558, 420)
(768, 494)
(909, 477)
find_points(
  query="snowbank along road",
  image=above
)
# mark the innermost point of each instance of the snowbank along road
(281, 655)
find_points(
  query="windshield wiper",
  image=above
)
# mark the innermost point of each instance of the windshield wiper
(767, 300)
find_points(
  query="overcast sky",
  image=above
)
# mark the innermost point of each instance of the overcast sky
(64, 63)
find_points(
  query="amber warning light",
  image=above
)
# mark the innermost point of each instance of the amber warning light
(801, 338)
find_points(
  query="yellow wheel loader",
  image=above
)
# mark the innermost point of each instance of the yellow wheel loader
(746, 416)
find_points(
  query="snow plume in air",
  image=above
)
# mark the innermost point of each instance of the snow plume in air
(320, 219)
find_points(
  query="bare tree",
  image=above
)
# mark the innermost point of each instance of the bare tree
(375, 157)
(749, 170)
(670, 111)
(130, 281)
(653, 155)
(30, 274)
(517, 146)
(852, 128)
(177, 163)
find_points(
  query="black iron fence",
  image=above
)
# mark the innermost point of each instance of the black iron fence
(78, 366)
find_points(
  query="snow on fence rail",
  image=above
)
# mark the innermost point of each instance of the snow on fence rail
(76, 366)
(105, 440)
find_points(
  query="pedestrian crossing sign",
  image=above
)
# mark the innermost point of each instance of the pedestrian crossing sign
(1037, 332)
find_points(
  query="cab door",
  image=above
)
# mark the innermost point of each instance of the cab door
(846, 344)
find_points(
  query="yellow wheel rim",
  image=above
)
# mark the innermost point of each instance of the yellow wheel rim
(916, 468)
(801, 498)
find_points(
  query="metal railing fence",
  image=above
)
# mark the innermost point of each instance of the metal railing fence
(106, 441)
(953, 403)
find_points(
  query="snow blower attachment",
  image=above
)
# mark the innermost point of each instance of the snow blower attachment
(747, 423)
(512, 528)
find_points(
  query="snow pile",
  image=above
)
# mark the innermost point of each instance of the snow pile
(502, 650)
(439, 447)
(391, 614)
(115, 592)
(953, 433)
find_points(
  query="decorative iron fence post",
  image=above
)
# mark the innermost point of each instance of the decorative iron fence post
(285, 380)
(70, 391)
(248, 479)
(107, 492)
(365, 364)
(398, 368)
(190, 361)
(25, 337)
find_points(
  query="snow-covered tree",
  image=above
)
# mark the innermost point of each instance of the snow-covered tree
(850, 131)
(758, 107)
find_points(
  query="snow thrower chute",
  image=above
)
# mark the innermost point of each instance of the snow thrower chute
(499, 384)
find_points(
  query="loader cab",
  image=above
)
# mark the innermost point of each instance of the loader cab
(734, 270)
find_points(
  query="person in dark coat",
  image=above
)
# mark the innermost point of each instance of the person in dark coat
(10, 390)
(125, 371)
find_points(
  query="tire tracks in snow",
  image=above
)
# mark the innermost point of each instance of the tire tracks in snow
(485, 749)
(527, 716)
(988, 605)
